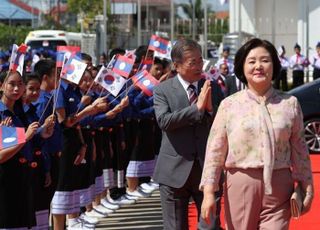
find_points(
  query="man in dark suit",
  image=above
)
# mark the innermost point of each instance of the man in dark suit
(185, 107)
(233, 85)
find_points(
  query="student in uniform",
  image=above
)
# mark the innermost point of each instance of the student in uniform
(282, 78)
(87, 166)
(142, 158)
(66, 199)
(298, 62)
(316, 62)
(118, 192)
(134, 133)
(110, 125)
(157, 71)
(52, 147)
(16, 194)
(41, 177)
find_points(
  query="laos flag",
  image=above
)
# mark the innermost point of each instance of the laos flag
(11, 136)
(17, 58)
(123, 65)
(158, 44)
(145, 81)
(64, 53)
(146, 64)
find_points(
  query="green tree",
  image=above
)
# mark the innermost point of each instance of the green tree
(88, 8)
(217, 27)
(12, 34)
(194, 6)
(188, 7)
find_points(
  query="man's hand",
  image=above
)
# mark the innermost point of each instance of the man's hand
(209, 107)
(203, 96)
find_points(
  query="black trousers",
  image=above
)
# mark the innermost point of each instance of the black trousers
(281, 80)
(316, 73)
(298, 78)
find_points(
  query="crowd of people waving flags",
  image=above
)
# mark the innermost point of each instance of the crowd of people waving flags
(67, 126)
(78, 141)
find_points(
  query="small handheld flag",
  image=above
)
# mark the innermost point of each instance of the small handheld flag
(123, 65)
(17, 58)
(167, 54)
(211, 75)
(158, 44)
(146, 64)
(110, 80)
(64, 53)
(11, 136)
(145, 81)
(73, 70)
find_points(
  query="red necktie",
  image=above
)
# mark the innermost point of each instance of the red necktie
(221, 83)
(298, 58)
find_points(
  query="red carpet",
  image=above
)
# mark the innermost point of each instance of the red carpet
(310, 221)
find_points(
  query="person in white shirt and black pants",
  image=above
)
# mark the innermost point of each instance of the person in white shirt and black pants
(316, 63)
(282, 78)
(298, 62)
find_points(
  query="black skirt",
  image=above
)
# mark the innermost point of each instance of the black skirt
(143, 148)
(98, 140)
(86, 170)
(69, 179)
(43, 194)
(16, 195)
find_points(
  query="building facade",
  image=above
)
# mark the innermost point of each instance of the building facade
(284, 22)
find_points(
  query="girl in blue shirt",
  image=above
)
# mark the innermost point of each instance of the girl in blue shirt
(16, 195)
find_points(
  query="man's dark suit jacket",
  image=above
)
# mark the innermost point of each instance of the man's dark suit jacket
(185, 131)
(231, 85)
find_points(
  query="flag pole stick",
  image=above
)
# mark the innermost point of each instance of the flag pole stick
(45, 108)
(56, 96)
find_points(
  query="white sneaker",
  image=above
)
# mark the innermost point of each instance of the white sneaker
(93, 213)
(131, 197)
(153, 184)
(108, 205)
(147, 188)
(138, 193)
(81, 226)
(93, 220)
(124, 199)
(102, 210)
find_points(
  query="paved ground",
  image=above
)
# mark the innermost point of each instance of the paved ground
(145, 214)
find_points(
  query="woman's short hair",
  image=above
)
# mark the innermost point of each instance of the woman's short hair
(243, 52)
(181, 46)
